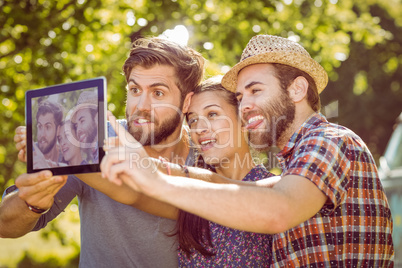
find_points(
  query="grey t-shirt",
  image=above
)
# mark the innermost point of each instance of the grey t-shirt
(114, 234)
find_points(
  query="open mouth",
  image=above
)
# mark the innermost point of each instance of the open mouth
(254, 122)
(141, 121)
(82, 137)
(43, 142)
(206, 144)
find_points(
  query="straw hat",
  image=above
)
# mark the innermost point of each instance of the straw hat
(87, 99)
(275, 49)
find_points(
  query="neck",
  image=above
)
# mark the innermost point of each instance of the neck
(174, 149)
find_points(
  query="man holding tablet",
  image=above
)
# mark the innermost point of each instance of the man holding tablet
(161, 76)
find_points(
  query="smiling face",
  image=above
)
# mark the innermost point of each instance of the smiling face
(69, 144)
(215, 128)
(266, 109)
(46, 132)
(154, 104)
(86, 126)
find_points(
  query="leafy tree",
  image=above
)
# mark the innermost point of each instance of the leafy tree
(47, 42)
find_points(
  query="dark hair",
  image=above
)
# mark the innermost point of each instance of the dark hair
(193, 231)
(46, 107)
(213, 84)
(188, 63)
(287, 74)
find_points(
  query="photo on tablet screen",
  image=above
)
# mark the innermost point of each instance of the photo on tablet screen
(66, 127)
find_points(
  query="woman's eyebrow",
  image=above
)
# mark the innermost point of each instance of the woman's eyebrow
(211, 105)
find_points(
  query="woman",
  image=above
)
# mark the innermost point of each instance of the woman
(216, 132)
(69, 145)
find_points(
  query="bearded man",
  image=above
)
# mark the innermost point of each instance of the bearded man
(48, 119)
(85, 121)
(161, 76)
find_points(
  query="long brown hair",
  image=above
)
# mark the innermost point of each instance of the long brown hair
(193, 231)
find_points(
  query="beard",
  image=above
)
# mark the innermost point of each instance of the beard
(49, 147)
(91, 133)
(279, 115)
(157, 133)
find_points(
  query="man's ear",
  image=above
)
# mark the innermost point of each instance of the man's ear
(298, 89)
(187, 102)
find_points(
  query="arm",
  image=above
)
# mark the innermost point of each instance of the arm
(124, 194)
(121, 192)
(15, 218)
(38, 190)
(289, 202)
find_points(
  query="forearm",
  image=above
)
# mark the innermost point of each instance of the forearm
(166, 209)
(237, 206)
(209, 176)
(120, 193)
(15, 218)
(245, 207)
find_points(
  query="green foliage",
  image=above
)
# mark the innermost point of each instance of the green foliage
(359, 43)
(29, 261)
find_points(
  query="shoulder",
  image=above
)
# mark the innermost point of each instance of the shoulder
(329, 135)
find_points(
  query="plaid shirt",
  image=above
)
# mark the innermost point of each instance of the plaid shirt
(354, 227)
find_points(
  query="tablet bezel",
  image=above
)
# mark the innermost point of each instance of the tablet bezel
(100, 84)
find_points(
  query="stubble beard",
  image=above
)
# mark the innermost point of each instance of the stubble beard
(157, 133)
(49, 147)
(92, 133)
(279, 116)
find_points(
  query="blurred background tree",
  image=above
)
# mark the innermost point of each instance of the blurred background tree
(359, 43)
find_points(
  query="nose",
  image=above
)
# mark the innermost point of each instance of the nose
(40, 133)
(144, 103)
(246, 104)
(202, 126)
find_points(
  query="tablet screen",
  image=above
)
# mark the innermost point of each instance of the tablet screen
(66, 127)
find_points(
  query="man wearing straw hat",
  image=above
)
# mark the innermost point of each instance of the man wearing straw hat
(85, 117)
(328, 207)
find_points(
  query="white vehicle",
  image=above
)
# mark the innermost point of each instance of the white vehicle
(390, 171)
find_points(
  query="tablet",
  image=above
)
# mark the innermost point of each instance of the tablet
(66, 127)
